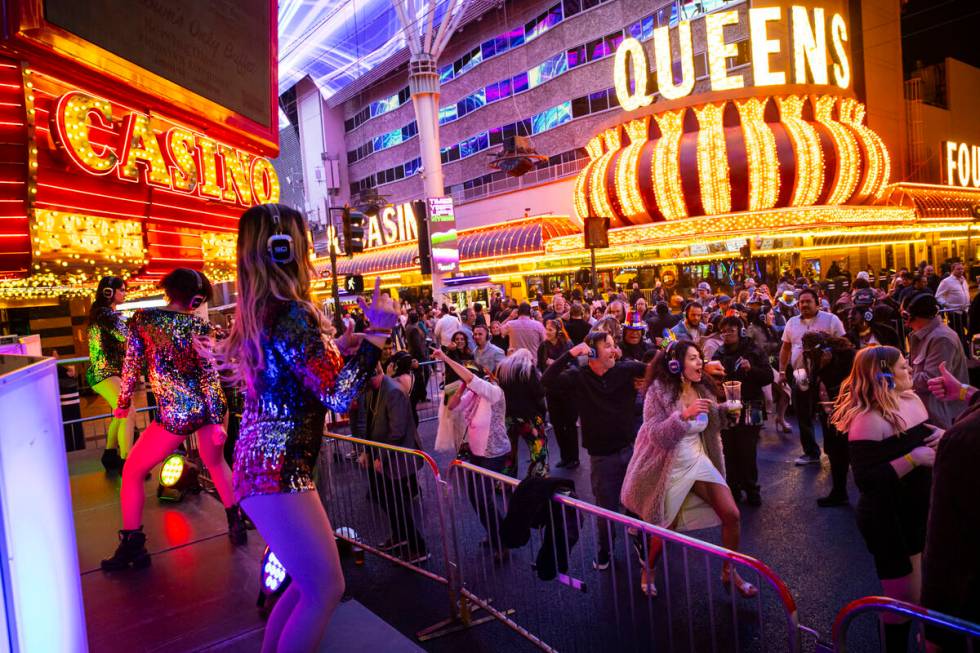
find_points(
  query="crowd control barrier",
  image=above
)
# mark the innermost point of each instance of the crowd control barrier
(929, 630)
(554, 591)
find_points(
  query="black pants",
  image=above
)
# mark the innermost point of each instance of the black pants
(740, 444)
(396, 496)
(804, 403)
(838, 452)
(566, 433)
(483, 496)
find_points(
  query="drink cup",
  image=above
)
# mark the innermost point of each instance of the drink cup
(802, 380)
(733, 395)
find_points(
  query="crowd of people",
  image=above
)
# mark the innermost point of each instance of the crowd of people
(666, 393)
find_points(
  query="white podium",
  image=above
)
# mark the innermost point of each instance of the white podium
(41, 605)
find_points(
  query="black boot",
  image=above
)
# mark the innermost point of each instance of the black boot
(237, 532)
(131, 551)
(111, 461)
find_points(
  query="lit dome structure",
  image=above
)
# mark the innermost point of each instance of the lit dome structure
(733, 156)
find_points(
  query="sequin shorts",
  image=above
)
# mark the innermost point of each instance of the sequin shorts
(192, 415)
(274, 456)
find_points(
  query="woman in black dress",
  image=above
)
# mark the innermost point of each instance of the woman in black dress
(561, 411)
(892, 451)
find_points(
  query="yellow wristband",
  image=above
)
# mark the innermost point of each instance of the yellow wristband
(911, 461)
(964, 389)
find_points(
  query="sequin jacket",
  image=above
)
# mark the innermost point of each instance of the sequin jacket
(162, 343)
(283, 418)
(106, 346)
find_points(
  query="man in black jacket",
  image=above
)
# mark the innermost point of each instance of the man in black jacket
(745, 363)
(603, 390)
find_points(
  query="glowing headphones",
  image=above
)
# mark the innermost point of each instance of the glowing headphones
(279, 245)
(198, 298)
(674, 366)
(884, 373)
(108, 292)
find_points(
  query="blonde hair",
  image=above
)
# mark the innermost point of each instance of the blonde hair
(260, 280)
(869, 389)
(519, 366)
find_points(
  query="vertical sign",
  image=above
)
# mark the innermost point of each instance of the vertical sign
(442, 236)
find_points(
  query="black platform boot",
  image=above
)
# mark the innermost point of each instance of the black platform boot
(237, 532)
(111, 461)
(130, 552)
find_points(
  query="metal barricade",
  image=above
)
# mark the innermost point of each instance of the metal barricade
(392, 502)
(930, 627)
(551, 592)
(433, 375)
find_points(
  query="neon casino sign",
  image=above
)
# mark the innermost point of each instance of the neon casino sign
(176, 159)
(819, 51)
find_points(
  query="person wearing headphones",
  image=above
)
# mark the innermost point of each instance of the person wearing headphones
(282, 353)
(676, 477)
(745, 363)
(691, 327)
(106, 350)
(864, 330)
(892, 450)
(932, 343)
(167, 343)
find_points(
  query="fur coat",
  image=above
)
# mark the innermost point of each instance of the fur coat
(645, 486)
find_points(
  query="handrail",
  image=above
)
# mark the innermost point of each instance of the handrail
(866, 604)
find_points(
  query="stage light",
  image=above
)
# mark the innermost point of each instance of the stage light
(177, 477)
(273, 578)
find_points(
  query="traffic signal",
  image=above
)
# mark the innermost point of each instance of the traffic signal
(596, 232)
(354, 284)
(425, 253)
(353, 231)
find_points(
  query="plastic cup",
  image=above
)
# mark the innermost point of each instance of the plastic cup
(733, 395)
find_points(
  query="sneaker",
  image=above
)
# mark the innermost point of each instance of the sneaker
(833, 500)
(807, 460)
(601, 563)
(392, 543)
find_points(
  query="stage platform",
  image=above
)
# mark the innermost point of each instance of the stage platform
(200, 592)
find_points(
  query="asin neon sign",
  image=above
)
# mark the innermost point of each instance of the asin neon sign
(819, 51)
(176, 159)
(962, 164)
(392, 224)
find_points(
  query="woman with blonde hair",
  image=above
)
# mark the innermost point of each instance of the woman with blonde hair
(520, 380)
(281, 354)
(892, 451)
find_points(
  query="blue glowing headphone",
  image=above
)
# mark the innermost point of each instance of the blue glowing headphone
(674, 366)
(884, 373)
(279, 245)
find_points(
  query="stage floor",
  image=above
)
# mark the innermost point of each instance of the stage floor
(199, 593)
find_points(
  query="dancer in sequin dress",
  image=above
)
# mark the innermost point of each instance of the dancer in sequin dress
(291, 374)
(169, 343)
(107, 349)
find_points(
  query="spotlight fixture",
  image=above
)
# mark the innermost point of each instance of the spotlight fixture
(177, 477)
(273, 579)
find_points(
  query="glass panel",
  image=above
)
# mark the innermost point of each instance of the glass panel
(572, 7)
(612, 42)
(504, 88)
(489, 48)
(461, 108)
(496, 136)
(493, 93)
(502, 44)
(576, 56)
(520, 83)
(509, 131)
(588, 4)
(454, 152)
(580, 106)
(447, 114)
(446, 73)
(516, 37)
(482, 141)
(598, 102)
(475, 57)
(700, 66)
(636, 30)
(595, 50)
(648, 24)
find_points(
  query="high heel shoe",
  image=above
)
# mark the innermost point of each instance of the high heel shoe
(649, 586)
(746, 589)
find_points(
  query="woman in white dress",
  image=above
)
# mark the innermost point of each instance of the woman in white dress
(676, 476)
